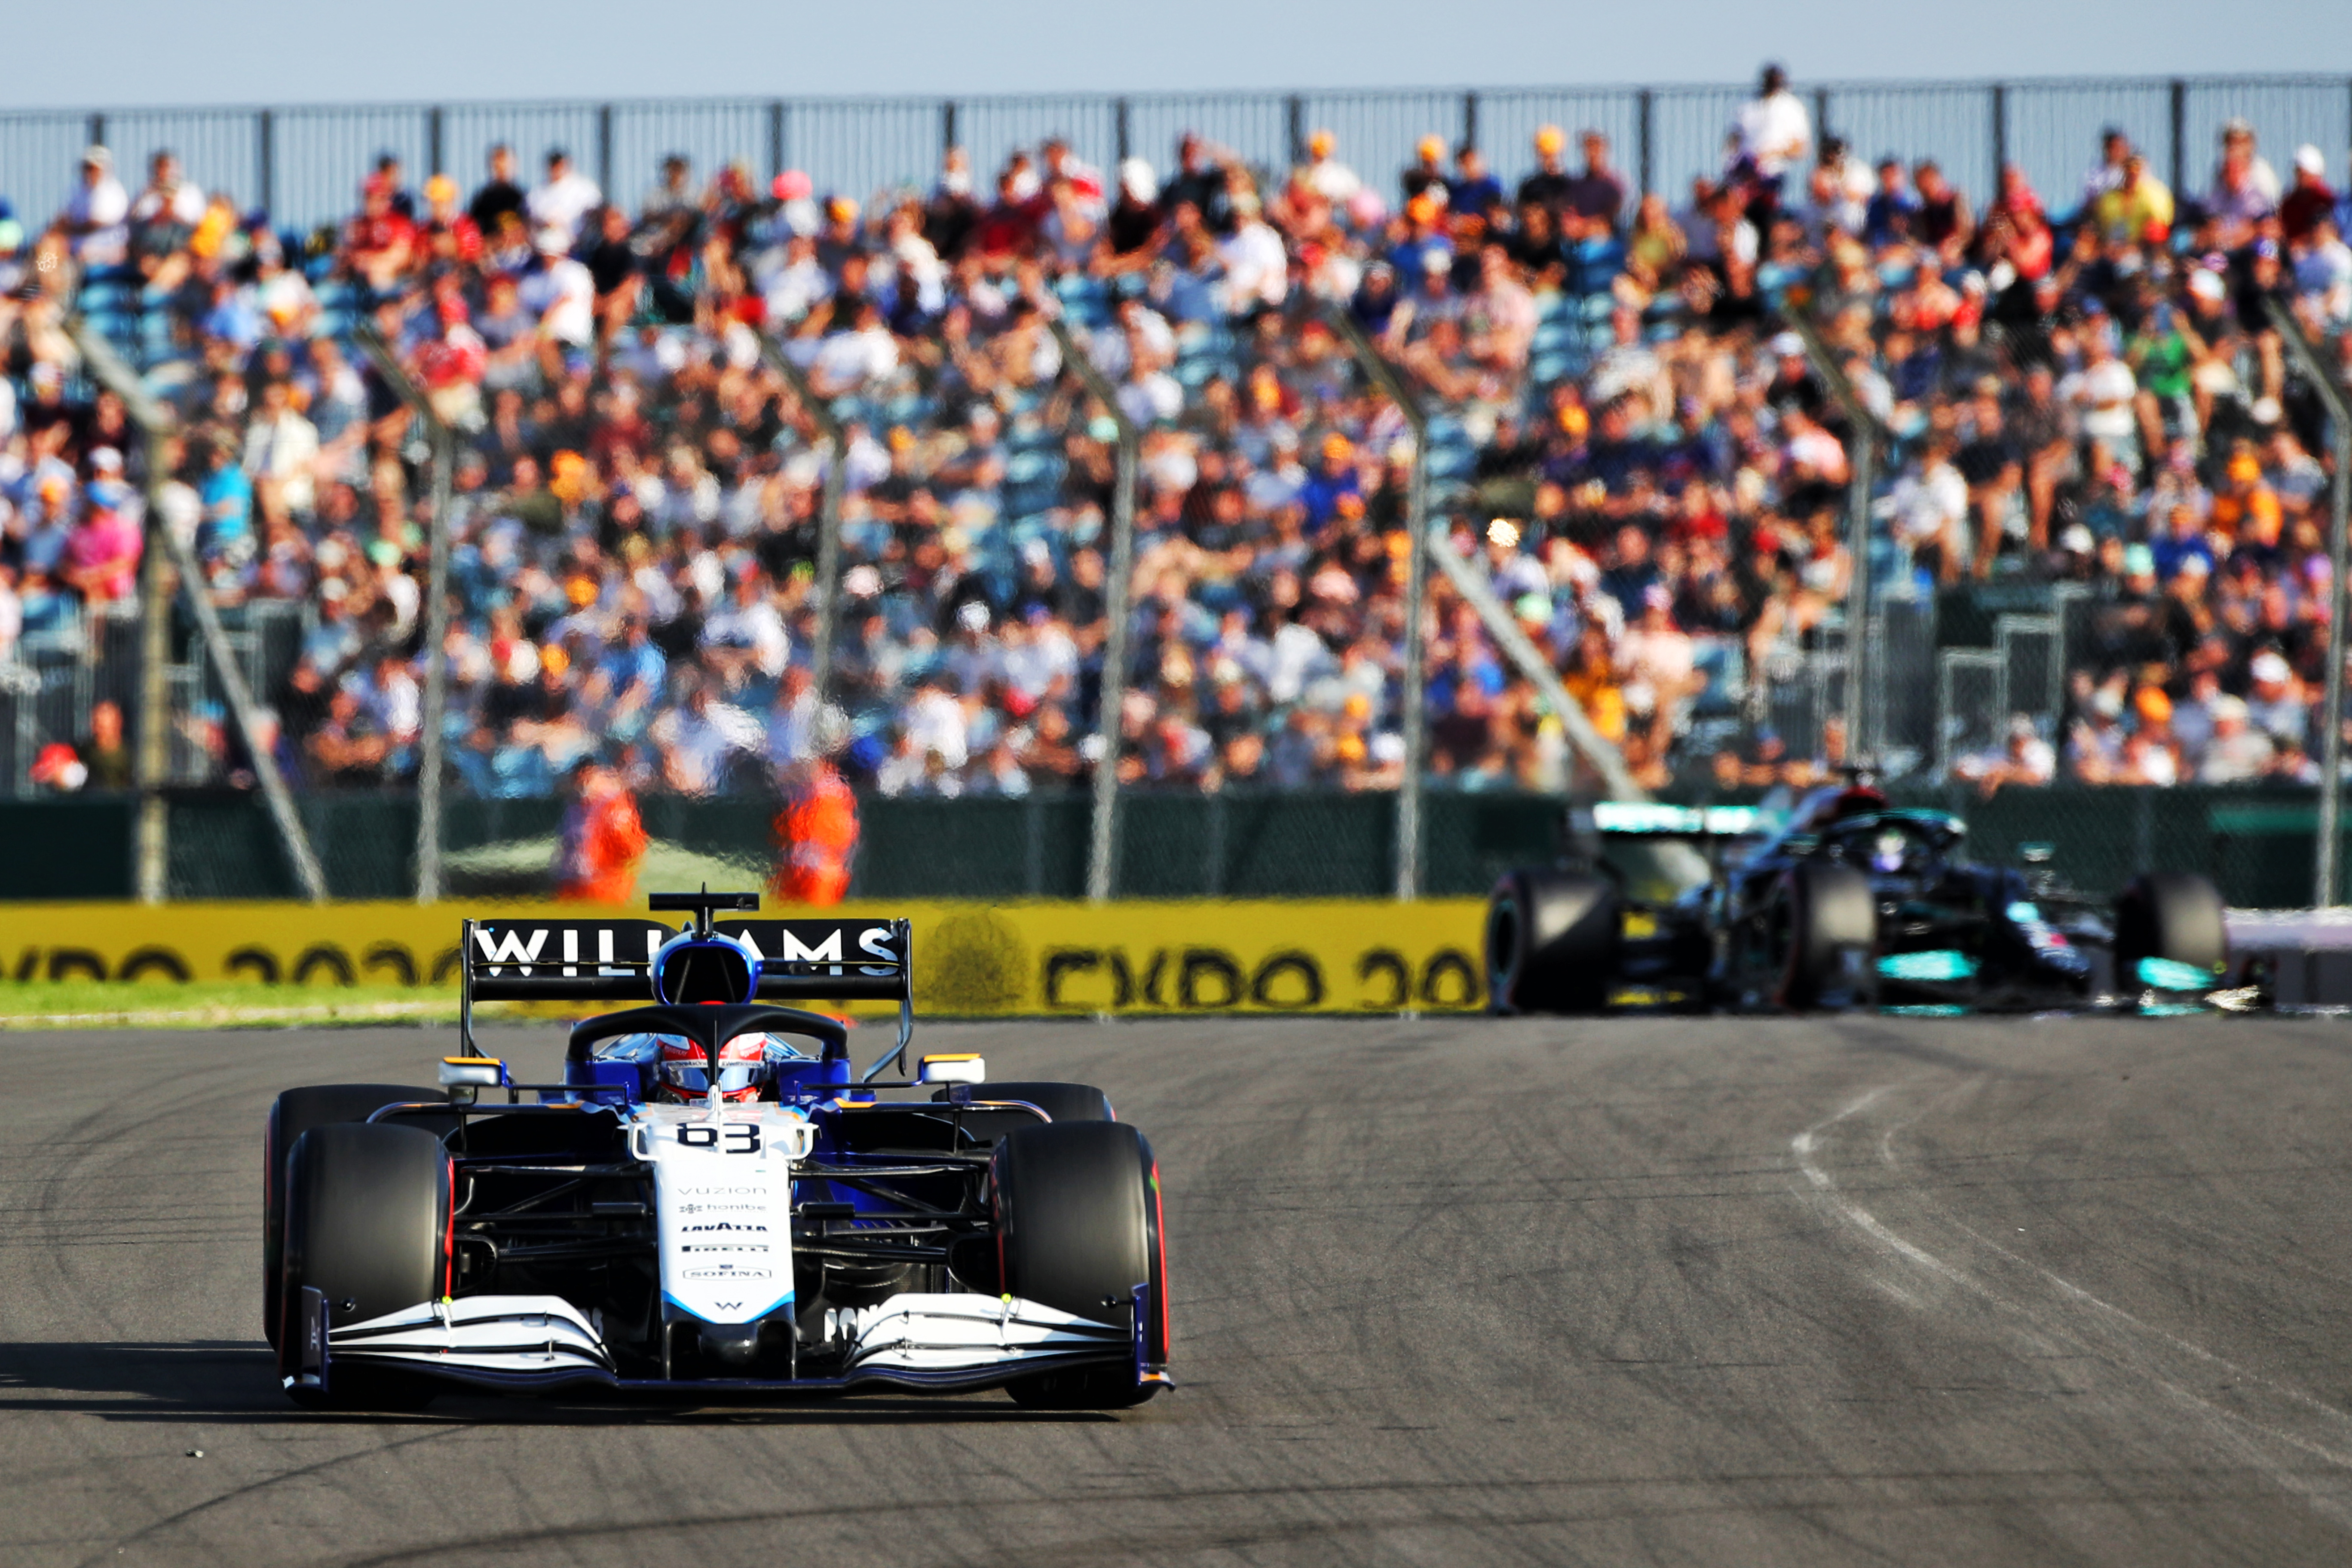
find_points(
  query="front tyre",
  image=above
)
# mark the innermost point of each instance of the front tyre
(1828, 928)
(292, 1114)
(2174, 918)
(1077, 1213)
(367, 1226)
(1551, 943)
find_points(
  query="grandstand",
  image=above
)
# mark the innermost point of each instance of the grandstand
(2100, 557)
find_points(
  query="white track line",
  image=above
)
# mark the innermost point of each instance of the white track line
(2115, 1337)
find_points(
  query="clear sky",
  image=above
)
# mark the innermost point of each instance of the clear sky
(137, 52)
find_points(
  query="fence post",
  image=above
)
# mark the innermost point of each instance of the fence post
(1295, 118)
(265, 161)
(604, 148)
(2179, 136)
(775, 138)
(1125, 139)
(153, 840)
(2000, 134)
(1413, 700)
(947, 127)
(2328, 886)
(434, 161)
(1864, 464)
(155, 424)
(1469, 119)
(826, 583)
(437, 611)
(1821, 116)
(98, 130)
(1643, 103)
(1102, 852)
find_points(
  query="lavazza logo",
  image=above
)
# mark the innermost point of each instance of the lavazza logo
(728, 1225)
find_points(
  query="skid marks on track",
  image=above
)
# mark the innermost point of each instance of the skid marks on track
(1938, 1263)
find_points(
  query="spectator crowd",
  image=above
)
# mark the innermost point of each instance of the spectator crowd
(2079, 386)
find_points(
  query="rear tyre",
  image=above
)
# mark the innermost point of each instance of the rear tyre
(2174, 916)
(295, 1112)
(1078, 1228)
(367, 1226)
(1551, 943)
(1829, 933)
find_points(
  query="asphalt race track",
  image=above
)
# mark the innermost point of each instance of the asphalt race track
(1664, 1289)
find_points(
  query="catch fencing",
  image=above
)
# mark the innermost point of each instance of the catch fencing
(58, 672)
(2255, 842)
(303, 164)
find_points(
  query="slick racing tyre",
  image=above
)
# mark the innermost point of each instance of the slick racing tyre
(295, 1112)
(1828, 928)
(367, 1226)
(1551, 943)
(1060, 1101)
(2174, 917)
(1077, 1226)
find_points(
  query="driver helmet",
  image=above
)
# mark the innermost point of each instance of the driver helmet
(1890, 849)
(682, 1075)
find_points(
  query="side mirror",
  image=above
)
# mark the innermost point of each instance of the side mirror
(472, 1073)
(963, 1069)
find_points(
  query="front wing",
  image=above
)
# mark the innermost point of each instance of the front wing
(933, 1342)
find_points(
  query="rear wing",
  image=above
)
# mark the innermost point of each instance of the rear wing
(562, 960)
(1650, 819)
(611, 960)
(832, 961)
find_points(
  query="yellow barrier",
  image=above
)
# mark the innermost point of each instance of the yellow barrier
(1312, 956)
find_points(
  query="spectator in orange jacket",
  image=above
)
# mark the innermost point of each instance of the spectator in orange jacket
(815, 833)
(602, 842)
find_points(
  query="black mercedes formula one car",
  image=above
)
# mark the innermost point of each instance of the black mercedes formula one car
(1851, 902)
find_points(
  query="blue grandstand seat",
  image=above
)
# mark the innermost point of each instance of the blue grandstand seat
(1033, 464)
(156, 340)
(105, 294)
(117, 327)
(1548, 369)
(1451, 462)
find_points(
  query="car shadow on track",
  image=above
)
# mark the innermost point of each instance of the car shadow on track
(235, 1381)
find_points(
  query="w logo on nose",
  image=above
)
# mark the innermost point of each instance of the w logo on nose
(729, 1306)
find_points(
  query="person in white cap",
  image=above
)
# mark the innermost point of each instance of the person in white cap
(2311, 201)
(560, 291)
(2240, 159)
(2238, 751)
(2277, 704)
(95, 220)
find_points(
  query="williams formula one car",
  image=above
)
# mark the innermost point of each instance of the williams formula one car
(710, 1201)
(1851, 902)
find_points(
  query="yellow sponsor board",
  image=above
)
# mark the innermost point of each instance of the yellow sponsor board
(1308, 955)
